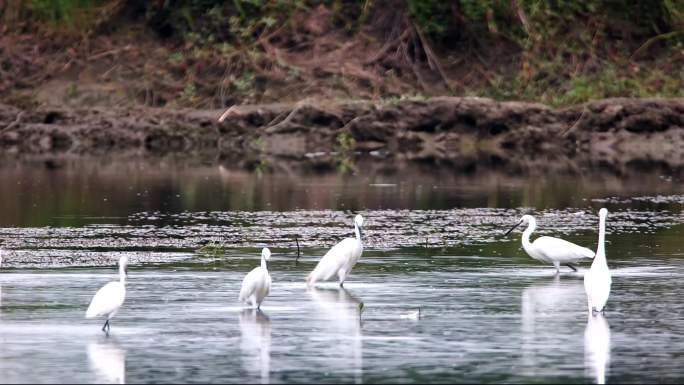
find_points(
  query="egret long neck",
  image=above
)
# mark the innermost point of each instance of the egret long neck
(358, 232)
(601, 249)
(263, 263)
(526, 234)
(122, 274)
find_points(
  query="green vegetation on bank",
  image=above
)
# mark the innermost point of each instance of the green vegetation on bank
(557, 52)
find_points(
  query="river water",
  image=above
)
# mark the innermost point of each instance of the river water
(433, 241)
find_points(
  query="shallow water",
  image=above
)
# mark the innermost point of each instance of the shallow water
(488, 313)
(501, 324)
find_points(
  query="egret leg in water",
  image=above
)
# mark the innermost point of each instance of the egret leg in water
(550, 250)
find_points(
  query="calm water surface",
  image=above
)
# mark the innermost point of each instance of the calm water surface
(488, 312)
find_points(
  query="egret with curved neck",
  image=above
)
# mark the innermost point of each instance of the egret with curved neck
(549, 249)
(340, 259)
(597, 280)
(257, 283)
(108, 300)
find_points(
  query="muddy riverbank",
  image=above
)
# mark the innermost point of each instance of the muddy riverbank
(464, 134)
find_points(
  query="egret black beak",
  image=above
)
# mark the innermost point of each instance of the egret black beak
(126, 272)
(268, 265)
(513, 228)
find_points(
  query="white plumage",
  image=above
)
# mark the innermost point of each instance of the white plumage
(108, 300)
(340, 259)
(257, 283)
(597, 280)
(551, 250)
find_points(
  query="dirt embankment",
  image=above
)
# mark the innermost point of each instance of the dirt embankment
(464, 133)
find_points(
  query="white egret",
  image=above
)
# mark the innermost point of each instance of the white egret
(340, 259)
(597, 280)
(257, 283)
(549, 249)
(108, 300)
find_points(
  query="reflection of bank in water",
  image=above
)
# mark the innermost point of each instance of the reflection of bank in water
(189, 184)
(597, 348)
(341, 351)
(549, 310)
(255, 343)
(108, 360)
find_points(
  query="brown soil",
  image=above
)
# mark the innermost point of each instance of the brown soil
(131, 67)
(124, 63)
(466, 134)
(98, 94)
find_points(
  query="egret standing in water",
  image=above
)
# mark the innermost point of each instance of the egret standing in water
(108, 300)
(257, 283)
(597, 280)
(549, 249)
(340, 259)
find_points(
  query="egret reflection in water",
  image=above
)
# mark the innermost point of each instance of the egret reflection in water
(339, 310)
(547, 299)
(548, 311)
(597, 347)
(108, 360)
(255, 343)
